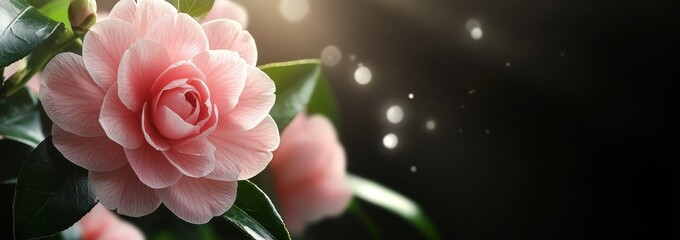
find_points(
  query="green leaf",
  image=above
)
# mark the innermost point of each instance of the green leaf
(295, 82)
(23, 29)
(51, 194)
(323, 101)
(57, 10)
(20, 118)
(255, 215)
(195, 8)
(13, 155)
(394, 202)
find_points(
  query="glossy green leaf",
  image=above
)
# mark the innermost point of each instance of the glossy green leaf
(23, 29)
(51, 194)
(323, 101)
(195, 8)
(13, 155)
(295, 82)
(255, 215)
(394, 202)
(20, 118)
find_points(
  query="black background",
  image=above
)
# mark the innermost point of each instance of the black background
(583, 138)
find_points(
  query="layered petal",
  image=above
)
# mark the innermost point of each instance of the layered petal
(229, 35)
(248, 151)
(225, 74)
(195, 158)
(143, 14)
(152, 167)
(70, 97)
(103, 48)
(120, 124)
(256, 100)
(91, 153)
(121, 190)
(197, 200)
(181, 35)
(140, 67)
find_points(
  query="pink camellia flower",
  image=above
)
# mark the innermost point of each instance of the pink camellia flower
(163, 109)
(101, 224)
(309, 173)
(229, 10)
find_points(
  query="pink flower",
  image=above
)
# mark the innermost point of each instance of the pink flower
(229, 10)
(162, 109)
(309, 173)
(101, 224)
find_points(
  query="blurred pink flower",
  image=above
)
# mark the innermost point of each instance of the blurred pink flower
(229, 10)
(101, 224)
(162, 109)
(309, 173)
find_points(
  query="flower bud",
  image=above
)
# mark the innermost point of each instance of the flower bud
(82, 14)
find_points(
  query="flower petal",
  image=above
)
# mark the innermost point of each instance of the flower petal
(228, 34)
(153, 137)
(225, 75)
(255, 102)
(70, 97)
(91, 153)
(171, 125)
(197, 200)
(249, 150)
(194, 158)
(103, 48)
(120, 124)
(229, 10)
(122, 190)
(144, 14)
(181, 35)
(151, 167)
(139, 69)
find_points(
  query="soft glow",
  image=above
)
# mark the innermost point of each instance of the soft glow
(414, 169)
(472, 91)
(352, 57)
(363, 75)
(395, 114)
(294, 10)
(476, 33)
(331, 55)
(430, 125)
(507, 64)
(472, 24)
(487, 131)
(390, 141)
(410, 96)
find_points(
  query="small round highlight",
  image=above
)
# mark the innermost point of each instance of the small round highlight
(395, 114)
(363, 75)
(430, 125)
(331, 55)
(390, 141)
(476, 33)
(294, 10)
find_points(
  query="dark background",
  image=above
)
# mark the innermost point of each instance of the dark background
(583, 138)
